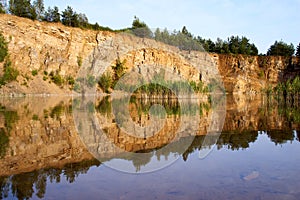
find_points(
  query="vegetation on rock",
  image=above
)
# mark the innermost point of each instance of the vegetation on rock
(3, 48)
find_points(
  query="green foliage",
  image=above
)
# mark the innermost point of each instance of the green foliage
(57, 78)
(198, 87)
(105, 82)
(181, 39)
(261, 74)
(10, 74)
(186, 41)
(281, 49)
(70, 80)
(77, 87)
(34, 72)
(68, 17)
(298, 51)
(35, 117)
(4, 142)
(241, 46)
(57, 111)
(141, 29)
(22, 8)
(91, 81)
(3, 48)
(119, 70)
(39, 8)
(291, 87)
(71, 18)
(79, 61)
(2, 9)
(52, 15)
(104, 106)
(10, 117)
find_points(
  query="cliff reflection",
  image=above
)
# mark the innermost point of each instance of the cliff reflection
(39, 142)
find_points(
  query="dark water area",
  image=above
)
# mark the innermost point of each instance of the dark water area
(42, 156)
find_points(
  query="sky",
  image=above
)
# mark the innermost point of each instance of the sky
(262, 21)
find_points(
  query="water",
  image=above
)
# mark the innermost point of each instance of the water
(42, 155)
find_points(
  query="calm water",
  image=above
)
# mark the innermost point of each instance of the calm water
(43, 156)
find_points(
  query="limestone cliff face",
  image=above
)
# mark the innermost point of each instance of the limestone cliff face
(54, 48)
(251, 74)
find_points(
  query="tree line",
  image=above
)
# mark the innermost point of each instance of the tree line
(182, 39)
(37, 11)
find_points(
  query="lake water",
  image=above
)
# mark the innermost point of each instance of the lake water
(45, 153)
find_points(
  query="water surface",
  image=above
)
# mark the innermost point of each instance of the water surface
(256, 156)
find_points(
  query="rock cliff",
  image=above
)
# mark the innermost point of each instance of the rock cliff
(39, 49)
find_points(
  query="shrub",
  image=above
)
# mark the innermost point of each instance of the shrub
(3, 48)
(34, 72)
(57, 78)
(10, 73)
(70, 80)
(91, 80)
(105, 81)
(35, 117)
(79, 61)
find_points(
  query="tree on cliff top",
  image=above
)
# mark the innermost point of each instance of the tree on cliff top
(39, 8)
(281, 49)
(52, 15)
(22, 8)
(141, 29)
(298, 50)
(2, 9)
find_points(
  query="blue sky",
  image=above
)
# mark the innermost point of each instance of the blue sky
(262, 21)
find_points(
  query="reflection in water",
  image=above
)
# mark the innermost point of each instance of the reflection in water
(39, 144)
(25, 185)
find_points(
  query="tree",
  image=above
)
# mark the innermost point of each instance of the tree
(22, 8)
(186, 32)
(140, 29)
(52, 15)
(39, 8)
(69, 17)
(239, 45)
(82, 20)
(55, 14)
(298, 50)
(2, 9)
(281, 49)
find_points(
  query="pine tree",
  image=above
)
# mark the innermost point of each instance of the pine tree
(39, 8)
(298, 50)
(141, 29)
(2, 8)
(52, 15)
(70, 17)
(22, 8)
(281, 49)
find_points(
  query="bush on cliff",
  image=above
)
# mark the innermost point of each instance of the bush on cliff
(3, 48)
(9, 74)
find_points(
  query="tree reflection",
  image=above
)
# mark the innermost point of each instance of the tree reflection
(24, 186)
(9, 118)
(280, 137)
